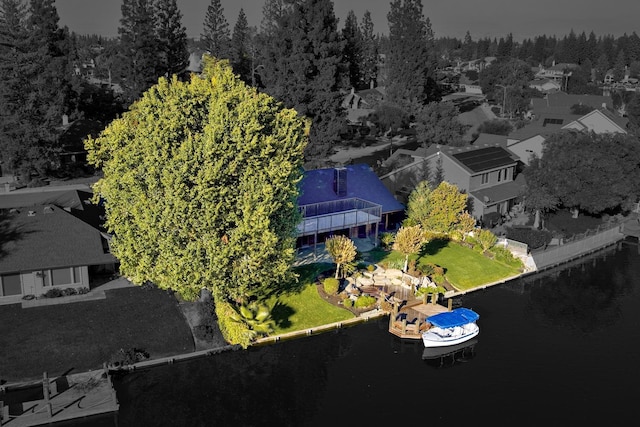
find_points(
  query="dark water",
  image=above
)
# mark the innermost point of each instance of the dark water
(558, 348)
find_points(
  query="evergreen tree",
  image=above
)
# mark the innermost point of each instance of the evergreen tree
(602, 66)
(34, 86)
(200, 182)
(619, 66)
(138, 47)
(172, 38)
(468, 49)
(369, 65)
(302, 69)
(409, 58)
(216, 31)
(352, 51)
(242, 49)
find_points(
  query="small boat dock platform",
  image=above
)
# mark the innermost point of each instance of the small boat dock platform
(53, 400)
(409, 320)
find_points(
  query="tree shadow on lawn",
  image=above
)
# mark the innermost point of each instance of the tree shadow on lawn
(281, 313)
(433, 247)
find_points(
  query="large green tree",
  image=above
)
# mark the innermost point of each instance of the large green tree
(507, 81)
(370, 60)
(352, 50)
(200, 186)
(241, 49)
(437, 123)
(172, 38)
(590, 172)
(139, 48)
(410, 64)
(441, 210)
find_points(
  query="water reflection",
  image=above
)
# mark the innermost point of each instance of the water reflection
(441, 357)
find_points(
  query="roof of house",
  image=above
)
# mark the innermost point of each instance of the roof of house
(565, 100)
(501, 192)
(544, 125)
(484, 158)
(50, 238)
(362, 182)
(490, 139)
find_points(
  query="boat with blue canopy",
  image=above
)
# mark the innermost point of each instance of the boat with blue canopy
(451, 328)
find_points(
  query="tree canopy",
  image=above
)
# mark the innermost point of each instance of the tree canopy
(441, 210)
(437, 123)
(200, 186)
(585, 171)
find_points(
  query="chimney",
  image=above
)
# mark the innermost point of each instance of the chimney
(340, 181)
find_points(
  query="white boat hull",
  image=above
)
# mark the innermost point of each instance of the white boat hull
(443, 337)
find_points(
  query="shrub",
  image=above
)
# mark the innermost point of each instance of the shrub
(426, 268)
(387, 239)
(233, 332)
(347, 302)
(83, 290)
(128, 356)
(331, 285)
(364, 301)
(69, 291)
(28, 297)
(533, 238)
(53, 293)
(505, 256)
(486, 239)
(438, 279)
(371, 268)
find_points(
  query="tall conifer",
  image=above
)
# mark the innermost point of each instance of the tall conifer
(172, 38)
(215, 34)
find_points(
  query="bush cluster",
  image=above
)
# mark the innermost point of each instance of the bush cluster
(57, 292)
(232, 331)
(128, 356)
(331, 285)
(364, 301)
(505, 256)
(533, 238)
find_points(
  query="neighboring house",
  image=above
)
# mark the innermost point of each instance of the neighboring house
(529, 140)
(487, 173)
(561, 102)
(558, 73)
(545, 85)
(349, 200)
(358, 105)
(73, 137)
(50, 239)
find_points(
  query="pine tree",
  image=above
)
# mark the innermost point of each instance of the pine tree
(34, 85)
(352, 51)
(139, 48)
(172, 38)
(369, 67)
(409, 60)
(302, 69)
(216, 31)
(242, 50)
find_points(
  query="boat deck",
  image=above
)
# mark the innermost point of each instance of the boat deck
(410, 321)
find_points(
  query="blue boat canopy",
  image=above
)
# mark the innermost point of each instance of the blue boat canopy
(450, 319)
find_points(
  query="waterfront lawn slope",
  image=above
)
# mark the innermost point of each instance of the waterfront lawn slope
(464, 268)
(301, 307)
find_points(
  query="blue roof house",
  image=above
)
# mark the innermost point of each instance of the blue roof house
(349, 200)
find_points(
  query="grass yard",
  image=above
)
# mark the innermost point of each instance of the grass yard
(301, 307)
(81, 336)
(464, 268)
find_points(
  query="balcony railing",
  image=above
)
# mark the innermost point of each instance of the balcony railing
(337, 215)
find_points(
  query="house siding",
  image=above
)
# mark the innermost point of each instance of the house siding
(33, 284)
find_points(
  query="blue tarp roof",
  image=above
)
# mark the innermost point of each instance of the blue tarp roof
(362, 182)
(457, 317)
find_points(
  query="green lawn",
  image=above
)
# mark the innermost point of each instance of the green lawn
(81, 336)
(301, 307)
(464, 268)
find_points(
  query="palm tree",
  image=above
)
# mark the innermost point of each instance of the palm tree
(409, 240)
(342, 250)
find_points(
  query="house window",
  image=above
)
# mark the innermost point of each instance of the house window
(10, 285)
(62, 276)
(485, 178)
(500, 175)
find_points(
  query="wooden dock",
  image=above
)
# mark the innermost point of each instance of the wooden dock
(64, 398)
(409, 321)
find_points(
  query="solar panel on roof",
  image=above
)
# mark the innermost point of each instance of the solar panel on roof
(484, 158)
